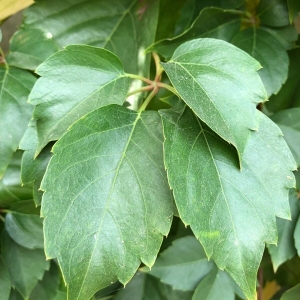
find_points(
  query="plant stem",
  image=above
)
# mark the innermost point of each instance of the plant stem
(2, 218)
(261, 282)
(2, 58)
(148, 99)
(133, 76)
(168, 87)
(158, 67)
(142, 89)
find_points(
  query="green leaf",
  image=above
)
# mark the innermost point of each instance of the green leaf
(5, 281)
(25, 207)
(74, 82)
(107, 203)
(288, 121)
(294, 8)
(126, 28)
(15, 295)
(273, 13)
(26, 266)
(285, 248)
(33, 169)
(219, 82)
(11, 190)
(225, 4)
(146, 287)
(30, 47)
(230, 211)
(264, 47)
(183, 264)
(289, 95)
(15, 112)
(24, 229)
(287, 36)
(291, 294)
(48, 287)
(211, 23)
(216, 285)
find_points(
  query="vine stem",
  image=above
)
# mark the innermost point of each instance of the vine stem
(133, 76)
(142, 89)
(168, 87)
(148, 99)
(2, 218)
(2, 59)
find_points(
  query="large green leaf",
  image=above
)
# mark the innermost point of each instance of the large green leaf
(273, 13)
(5, 282)
(291, 294)
(30, 47)
(11, 190)
(231, 211)
(183, 264)
(107, 203)
(125, 27)
(74, 82)
(285, 248)
(25, 229)
(15, 112)
(264, 47)
(216, 285)
(26, 266)
(289, 95)
(211, 23)
(219, 82)
(146, 287)
(288, 121)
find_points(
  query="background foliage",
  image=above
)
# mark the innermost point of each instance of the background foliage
(172, 174)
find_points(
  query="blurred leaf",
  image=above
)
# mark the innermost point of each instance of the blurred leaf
(289, 95)
(26, 266)
(273, 13)
(216, 285)
(25, 207)
(146, 287)
(15, 112)
(5, 281)
(285, 248)
(183, 264)
(10, 185)
(24, 229)
(288, 121)
(264, 47)
(294, 8)
(10, 7)
(48, 287)
(100, 23)
(292, 294)
(211, 23)
(30, 47)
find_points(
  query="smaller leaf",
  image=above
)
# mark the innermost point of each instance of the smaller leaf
(183, 264)
(26, 266)
(26, 230)
(273, 13)
(289, 95)
(11, 190)
(219, 82)
(292, 294)
(49, 287)
(30, 47)
(5, 282)
(288, 121)
(216, 285)
(285, 248)
(264, 47)
(74, 82)
(15, 112)
(211, 23)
